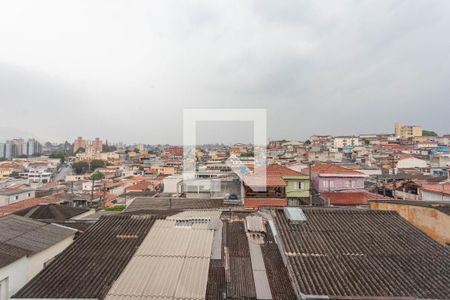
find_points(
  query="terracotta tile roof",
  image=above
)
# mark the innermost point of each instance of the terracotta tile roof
(140, 186)
(275, 169)
(274, 176)
(333, 169)
(256, 180)
(14, 207)
(257, 202)
(350, 198)
(443, 188)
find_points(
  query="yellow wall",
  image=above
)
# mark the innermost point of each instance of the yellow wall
(431, 221)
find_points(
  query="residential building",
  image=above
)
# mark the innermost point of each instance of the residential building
(94, 146)
(103, 251)
(346, 141)
(405, 132)
(33, 147)
(10, 150)
(10, 196)
(325, 156)
(435, 192)
(26, 247)
(78, 144)
(20, 147)
(440, 161)
(411, 163)
(280, 186)
(2, 150)
(333, 178)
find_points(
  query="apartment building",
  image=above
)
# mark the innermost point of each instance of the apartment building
(405, 132)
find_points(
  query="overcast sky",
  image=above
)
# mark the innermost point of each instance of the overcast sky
(125, 70)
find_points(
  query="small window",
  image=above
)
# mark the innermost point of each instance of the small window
(331, 183)
(17, 197)
(347, 183)
(29, 194)
(299, 185)
(325, 183)
(353, 183)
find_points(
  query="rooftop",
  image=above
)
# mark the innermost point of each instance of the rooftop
(24, 204)
(102, 252)
(334, 169)
(350, 198)
(20, 236)
(352, 252)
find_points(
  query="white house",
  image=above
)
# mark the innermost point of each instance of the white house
(344, 141)
(26, 246)
(12, 195)
(411, 163)
(436, 192)
(172, 184)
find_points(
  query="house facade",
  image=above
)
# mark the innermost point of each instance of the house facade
(333, 178)
(26, 247)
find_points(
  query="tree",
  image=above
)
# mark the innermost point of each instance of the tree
(429, 133)
(80, 150)
(60, 155)
(97, 175)
(80, 167)
(14, 174)
(97, 163)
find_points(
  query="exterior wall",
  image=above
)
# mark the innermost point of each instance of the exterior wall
(340, 142)
(291, 187)
(434, 196)
(431, 221)
(9, 199)
(410, 163)
(37, 261)
(337, 183)
(16, 273)
(171, 184)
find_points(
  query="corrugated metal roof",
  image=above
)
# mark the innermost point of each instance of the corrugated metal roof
(171, 263)
(31, 235)
(294, 214)
(255, 224)
(165, 239)
(212, 217)
(262, 286)
(196, 214)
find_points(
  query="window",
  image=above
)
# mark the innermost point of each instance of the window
(4, 289)
(347, 183)
(299, 185)
(325, 183)
(29, 194)
(331, 183)
(353, 183)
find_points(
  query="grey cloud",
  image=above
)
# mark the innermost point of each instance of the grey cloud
(127, 72)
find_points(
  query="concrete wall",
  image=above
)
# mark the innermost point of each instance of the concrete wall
(17, 275)
(9, 199)
(36, 262)
(431, 221)
(434, 196)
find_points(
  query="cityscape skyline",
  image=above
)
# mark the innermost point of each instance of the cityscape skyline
(324, 68)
